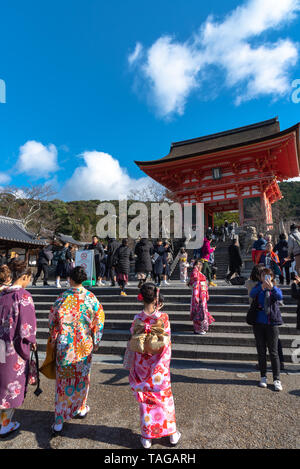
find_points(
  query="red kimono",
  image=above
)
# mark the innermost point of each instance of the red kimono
(199, 312)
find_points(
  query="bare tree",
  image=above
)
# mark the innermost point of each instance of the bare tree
(25, 203)
(153, 192)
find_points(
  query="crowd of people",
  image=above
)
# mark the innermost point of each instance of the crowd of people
(283, 258)
(76, 323)
(112, 262)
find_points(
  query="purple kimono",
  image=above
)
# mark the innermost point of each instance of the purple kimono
(17, 333)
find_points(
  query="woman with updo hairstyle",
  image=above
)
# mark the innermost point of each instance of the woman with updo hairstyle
(76, 326)
(149, 350)
(17, 339)
(5, 277)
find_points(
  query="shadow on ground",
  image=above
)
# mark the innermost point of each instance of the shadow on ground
(39, 423)
(118, 375)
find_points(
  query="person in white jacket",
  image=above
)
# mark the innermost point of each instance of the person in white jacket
(294, 245)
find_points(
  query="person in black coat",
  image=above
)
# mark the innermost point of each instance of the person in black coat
(143, 265)
(63, 267)
(160, 261)
(166, 270)
(295, 292)
(235, 260)
(3, 260)
(99, 259)
(123, 257)
(112, 247)
(44, 258)
(283, 253)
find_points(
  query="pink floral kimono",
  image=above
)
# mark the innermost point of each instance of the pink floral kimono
(150, 381)
(199, 312)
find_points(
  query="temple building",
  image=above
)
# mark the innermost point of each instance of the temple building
(231, 170)
(14, 237)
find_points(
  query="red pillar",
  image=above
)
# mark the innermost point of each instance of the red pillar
(241, 210)
(267, 211)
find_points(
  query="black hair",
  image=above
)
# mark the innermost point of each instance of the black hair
(149, 293)
(18, 269)
(282, 236)
(256, 273)
(125, 242)
(78, 275)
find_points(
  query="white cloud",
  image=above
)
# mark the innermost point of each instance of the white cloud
(100, 178)
(294, 180)
(173, 70)
(4, 178)
(136, 54)
(37, 160)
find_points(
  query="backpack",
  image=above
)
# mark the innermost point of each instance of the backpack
(61, 256)
(48, 254)
(238, 281)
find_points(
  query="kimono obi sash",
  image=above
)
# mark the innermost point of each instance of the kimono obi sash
(148, 339)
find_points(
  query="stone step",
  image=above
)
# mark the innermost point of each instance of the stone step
(178, 289)
(168, 299)
(192, 351)
(228, 327)
(230, 338)
(181, 316)
(188, 337)
(172, 307)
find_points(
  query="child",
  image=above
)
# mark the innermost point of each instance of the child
(183, 265)
(149, 376)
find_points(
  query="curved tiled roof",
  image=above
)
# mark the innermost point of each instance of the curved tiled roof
(222, 140)
(13, 230)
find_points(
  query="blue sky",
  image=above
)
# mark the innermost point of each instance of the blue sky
(92, 86)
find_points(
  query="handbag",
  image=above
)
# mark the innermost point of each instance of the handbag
(34, 376)
(238, 280)
(48, 368)
(33, 371)
(252, 312)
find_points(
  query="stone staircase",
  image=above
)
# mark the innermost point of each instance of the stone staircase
(222, 258)
(229, 339)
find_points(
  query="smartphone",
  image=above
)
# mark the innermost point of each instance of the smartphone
(268, 278)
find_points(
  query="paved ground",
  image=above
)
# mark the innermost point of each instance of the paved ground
(214, 409)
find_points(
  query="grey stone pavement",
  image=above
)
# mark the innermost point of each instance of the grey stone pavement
(217, 407)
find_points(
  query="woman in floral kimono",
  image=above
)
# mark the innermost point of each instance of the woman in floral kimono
(17, 337)
(149, 376)
(76, 325)
(199, 312)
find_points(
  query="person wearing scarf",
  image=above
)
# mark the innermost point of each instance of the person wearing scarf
(269, 259)
(76, 324)
(149, 377)
(198, 311)
(17, 339)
